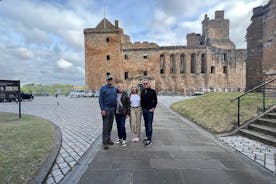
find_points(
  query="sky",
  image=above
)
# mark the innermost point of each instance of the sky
(42, 41)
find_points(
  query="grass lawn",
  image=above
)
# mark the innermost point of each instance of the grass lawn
(24, 145)
(215, 111)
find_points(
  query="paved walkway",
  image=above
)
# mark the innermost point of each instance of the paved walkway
(178, 146)
(181, 153)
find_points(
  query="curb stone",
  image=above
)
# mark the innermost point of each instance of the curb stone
(45, 169)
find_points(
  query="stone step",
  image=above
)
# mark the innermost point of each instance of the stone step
(271, 115)
(267, 139)
(263, 129)
(267, 122)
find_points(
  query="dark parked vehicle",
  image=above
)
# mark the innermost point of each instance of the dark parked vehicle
(27, 96)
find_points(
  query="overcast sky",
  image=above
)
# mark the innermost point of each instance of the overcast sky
(41, 41)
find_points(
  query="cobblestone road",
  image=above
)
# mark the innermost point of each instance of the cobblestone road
(78, 119)
(257, 151)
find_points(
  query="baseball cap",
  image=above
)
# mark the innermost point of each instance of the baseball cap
(109, 77)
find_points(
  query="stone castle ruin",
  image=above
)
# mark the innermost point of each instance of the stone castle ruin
(209, 62)
(261, 45)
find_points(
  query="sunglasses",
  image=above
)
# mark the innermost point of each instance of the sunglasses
(145, 83)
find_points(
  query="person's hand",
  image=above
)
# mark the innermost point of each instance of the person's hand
(152, 109)
(103, 112)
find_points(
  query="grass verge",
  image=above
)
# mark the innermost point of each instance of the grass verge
(24, 145)
(215, 111)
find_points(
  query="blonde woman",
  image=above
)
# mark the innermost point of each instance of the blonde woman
(122, 111)
(135, 113)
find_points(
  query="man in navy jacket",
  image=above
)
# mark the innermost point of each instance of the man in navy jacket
(107, 102)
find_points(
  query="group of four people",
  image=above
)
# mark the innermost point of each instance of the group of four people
(117, 102)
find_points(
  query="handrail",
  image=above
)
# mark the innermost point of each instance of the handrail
(253, 89)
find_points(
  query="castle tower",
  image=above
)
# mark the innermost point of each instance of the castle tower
(216, 31)
(261, 45)
(102, 53)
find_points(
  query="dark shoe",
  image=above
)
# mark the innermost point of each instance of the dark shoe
(148, 143)
(105, 147)
(109, 142)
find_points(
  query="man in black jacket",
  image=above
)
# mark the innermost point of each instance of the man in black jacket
(148, 103)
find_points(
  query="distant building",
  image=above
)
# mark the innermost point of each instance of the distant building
(209, 62)
(261, 45)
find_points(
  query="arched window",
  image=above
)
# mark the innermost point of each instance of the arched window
(162, 64)
(203, 63)
(182, 63)
(172, 64)
(193, 63)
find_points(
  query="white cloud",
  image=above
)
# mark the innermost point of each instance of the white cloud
(24, 53)
(81, 70)
(64, 64)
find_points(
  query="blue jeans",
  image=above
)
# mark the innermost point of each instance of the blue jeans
(148, 118)
(121, 121)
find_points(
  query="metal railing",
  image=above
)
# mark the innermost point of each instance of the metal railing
(265, 95)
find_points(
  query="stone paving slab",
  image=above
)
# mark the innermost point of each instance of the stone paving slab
(261, 153)
(170, 161)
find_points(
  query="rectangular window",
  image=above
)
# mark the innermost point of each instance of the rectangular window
(145, 56)
(212, 69)
(224, 57)
(225, 69)
(126, 56)
(161, 70)
(107, 57)
(107, 39)
(126, 75)
(145, 73)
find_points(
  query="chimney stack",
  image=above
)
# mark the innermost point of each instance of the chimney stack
(116, 23)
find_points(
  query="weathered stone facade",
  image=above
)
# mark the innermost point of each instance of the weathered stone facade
(209, 62)
(261, 45)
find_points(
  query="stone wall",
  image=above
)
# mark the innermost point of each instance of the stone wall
(199, 66)
(261, 45)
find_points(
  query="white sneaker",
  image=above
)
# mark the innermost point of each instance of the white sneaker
(124, 143)
(118, 141)
(136, 139)
(133, 139)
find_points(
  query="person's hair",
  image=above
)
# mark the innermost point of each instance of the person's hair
(145, 80)
(136, 89)
(119, 85)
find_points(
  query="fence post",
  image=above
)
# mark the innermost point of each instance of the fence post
(264, 98)
(238, 111)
